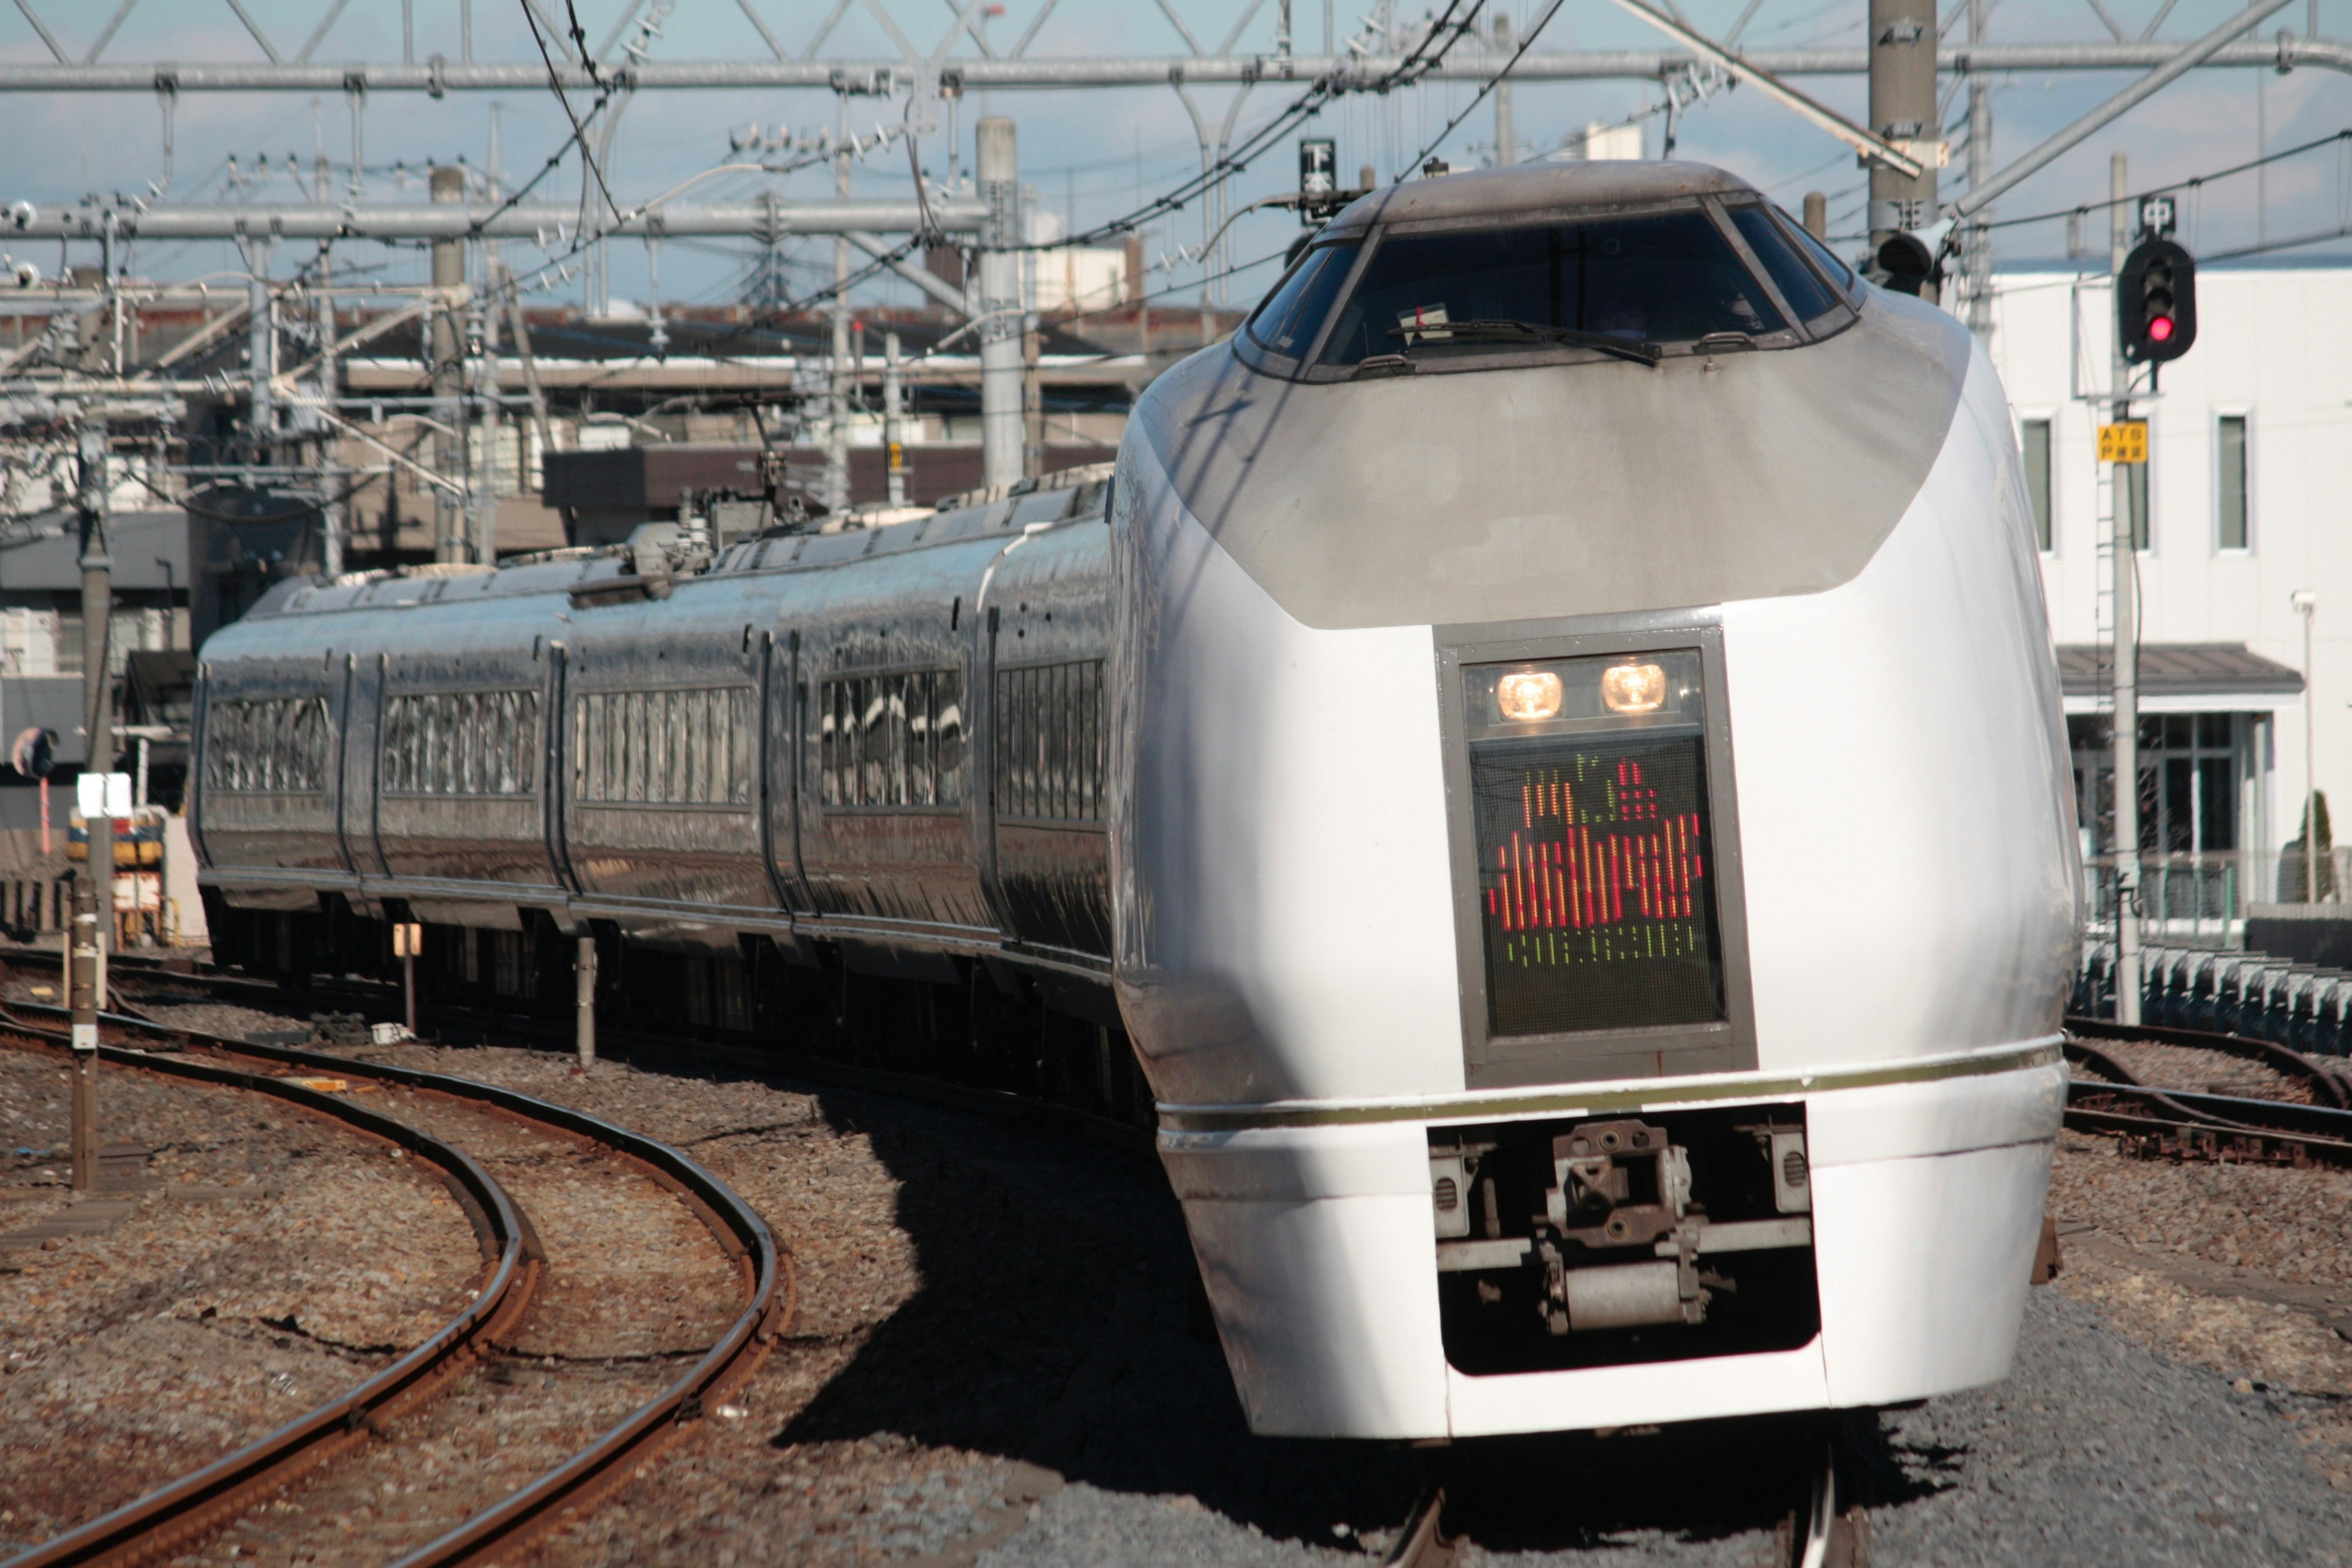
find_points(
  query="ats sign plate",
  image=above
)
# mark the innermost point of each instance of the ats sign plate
(2124, 443)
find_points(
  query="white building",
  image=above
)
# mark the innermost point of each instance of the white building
(2243, 503)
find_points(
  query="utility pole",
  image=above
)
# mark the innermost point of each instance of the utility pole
(1817, 216)
(894, 434)
(1000, 303)
(1033, 398)
(1506, 138)
(2306, 604)
(836, 384)
(449, 541)
(260, 349)
(2125, 737)
(1902, 110)
(1978, 258)
(330, 378)
(94, 892)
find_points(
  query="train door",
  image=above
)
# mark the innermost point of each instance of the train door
(555, 779)
(783, 700)
(362, 719)
(1046, 740)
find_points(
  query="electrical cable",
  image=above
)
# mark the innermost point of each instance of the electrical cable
(1480, 95)
(2192, 183)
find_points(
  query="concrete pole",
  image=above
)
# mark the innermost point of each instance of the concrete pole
(331, 387)
(583, 971)
(260, 348)
(482, 480)
(1817, 216)
(449, 542)
(81, 984)
(1978, 258)
(1506, 138)
(1000, 301)
(330, 515)
(94, 890)
(1033, 400)
(1902, 109)
(836, 370)
(894, 433)
(2125, 734)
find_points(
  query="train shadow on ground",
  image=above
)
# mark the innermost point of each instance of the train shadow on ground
(1051, 1326)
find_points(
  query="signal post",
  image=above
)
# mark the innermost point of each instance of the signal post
(2156, 321)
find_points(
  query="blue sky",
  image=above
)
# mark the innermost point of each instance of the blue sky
(1092, 153)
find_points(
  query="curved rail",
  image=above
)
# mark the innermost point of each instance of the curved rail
(2327, 1088)
(2189, 1124)
(740, 1232)
(204, 1497)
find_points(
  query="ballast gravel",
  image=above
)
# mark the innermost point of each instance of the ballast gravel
(269, 1258)
(993, 1363)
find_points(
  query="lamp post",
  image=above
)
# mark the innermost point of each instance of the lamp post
(2306, 604)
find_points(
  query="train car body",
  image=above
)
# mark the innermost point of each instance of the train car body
(1548, 745)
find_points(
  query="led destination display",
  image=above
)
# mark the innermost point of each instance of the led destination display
(1595, 858)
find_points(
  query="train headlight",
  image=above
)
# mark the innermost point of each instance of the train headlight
(1631, 689)
(1525, 696)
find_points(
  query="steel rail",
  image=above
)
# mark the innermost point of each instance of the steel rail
(876, 76)
(201, 1500)
(740, 1230)
(2326, 1086)
(2211, 1126)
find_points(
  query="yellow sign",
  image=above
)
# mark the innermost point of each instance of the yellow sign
(2124, 443)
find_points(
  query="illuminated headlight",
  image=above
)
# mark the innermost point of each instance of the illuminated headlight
(1527, 696)
(1631, 689)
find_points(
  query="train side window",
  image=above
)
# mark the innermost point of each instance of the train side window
(889, 741)
(686, 747)
(274, 745)
(460, 743)
(1049, 743)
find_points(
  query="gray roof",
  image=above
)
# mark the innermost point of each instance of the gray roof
(45, 555)
(2177, 669)
(1539, 187)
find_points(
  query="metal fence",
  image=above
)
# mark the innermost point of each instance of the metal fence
(2202, 898)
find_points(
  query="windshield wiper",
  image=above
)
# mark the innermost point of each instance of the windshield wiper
(1495, 330)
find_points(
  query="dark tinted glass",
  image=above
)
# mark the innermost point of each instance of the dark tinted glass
(1789, 272)
(1669, 278)
(1821, 254)
(1287, 322)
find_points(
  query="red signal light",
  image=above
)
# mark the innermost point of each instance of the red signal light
(2160, 330)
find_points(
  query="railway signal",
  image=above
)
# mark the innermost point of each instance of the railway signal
(2156, 303)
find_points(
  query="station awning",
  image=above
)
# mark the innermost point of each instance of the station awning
(2179, 676)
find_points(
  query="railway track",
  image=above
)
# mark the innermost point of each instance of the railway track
(2191, 1125)
(545, 1244)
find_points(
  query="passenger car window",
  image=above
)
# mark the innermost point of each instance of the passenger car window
(1665, 278)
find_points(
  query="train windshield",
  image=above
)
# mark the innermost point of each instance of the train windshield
(1640, 283)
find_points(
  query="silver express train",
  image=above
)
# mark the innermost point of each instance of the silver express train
(1544, 755)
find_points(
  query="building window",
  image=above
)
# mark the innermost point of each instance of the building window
(2229, 473)
(2192, 766)
(664, 748)
(1049, 743)
(277, 745)
(888, 741)
(460, 742)
(2035, 436)
(2131, 493)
